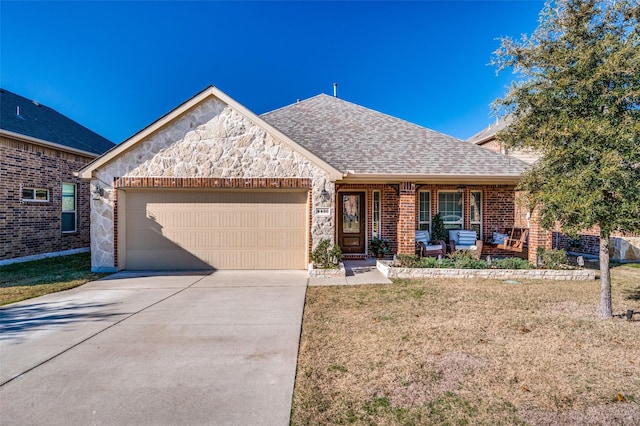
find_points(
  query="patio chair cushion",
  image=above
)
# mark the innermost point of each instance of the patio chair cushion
(466, 238)
(499, 238)
(422, 237)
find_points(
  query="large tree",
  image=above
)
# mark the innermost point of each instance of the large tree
(576, 100)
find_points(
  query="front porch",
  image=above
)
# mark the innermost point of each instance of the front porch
(394, 211)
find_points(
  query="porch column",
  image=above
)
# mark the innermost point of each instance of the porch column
(407, 218)
(538, 237)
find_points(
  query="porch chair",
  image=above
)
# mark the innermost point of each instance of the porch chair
(428, 248)
(515, 244)
(462, 239)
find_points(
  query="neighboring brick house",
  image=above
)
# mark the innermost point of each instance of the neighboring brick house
(213, 185)
(624, 248)
(44, 208)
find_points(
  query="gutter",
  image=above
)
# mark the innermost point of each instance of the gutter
(47, 144)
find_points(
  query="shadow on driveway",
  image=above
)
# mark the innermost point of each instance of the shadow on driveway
(15, 320)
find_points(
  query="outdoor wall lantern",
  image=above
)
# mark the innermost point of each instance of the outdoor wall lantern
(97, 192)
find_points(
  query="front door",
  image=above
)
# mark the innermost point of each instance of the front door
(351, 222)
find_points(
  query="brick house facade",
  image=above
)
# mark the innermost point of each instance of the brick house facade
(365, 174)
(32, 174)
(623, 247)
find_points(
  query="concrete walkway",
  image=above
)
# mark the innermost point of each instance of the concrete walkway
(155, 349)
(358, 272)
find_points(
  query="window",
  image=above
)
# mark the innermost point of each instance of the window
(35, 194)
(450, 209)
(375, 231)
(475, 217)
(424, 214)
(68, 207)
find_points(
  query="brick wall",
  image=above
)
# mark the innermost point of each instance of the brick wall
(31, 228)
(401, 204)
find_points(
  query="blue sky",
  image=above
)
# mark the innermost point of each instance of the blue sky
(117, 66)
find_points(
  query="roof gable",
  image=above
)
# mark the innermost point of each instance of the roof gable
(190, 105)
(360, 141)
(20, 116)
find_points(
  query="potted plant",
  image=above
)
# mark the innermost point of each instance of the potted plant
(379, 247)
(438, 231)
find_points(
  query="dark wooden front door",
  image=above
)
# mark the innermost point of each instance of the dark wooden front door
(352, 222)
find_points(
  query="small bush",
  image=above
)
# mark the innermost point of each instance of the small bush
(463, 259)
(326, 256)
(510, 263)
(553, 259)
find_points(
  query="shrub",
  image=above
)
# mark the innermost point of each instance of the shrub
(510, 263)
(553, 259)
(325, 255)
(379, 246)
(462, 259)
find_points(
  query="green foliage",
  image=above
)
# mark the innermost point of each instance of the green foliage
(510, 263)
(554, 259)
(460, 260)
(578, 104)
(438, 231)
(325, 255)
(379, 246)
(463, 259)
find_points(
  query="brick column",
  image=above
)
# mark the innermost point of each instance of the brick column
(538, 237)
(407, 218)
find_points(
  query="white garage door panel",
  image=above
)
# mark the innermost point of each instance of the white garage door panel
(169, 229)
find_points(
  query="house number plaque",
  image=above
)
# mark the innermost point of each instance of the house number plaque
(323, 211)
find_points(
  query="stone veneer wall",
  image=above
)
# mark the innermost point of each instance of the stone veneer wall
(212, 140)
(498, 274)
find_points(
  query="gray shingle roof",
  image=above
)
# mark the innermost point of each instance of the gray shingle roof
(487, 134)
(41, 122)
(354, 138)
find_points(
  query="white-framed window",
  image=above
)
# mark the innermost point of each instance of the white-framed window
(424, 211)
(39, 195)
(68, 207)
(450, 207)
(475, 214)
(376, 213)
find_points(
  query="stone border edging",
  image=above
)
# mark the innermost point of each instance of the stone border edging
(535, 274)
(327, 273)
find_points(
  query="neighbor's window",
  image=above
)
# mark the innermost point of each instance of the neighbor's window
(376, 214)
(475, 217)
(424, 214)
(68, 207)
(450, 209)
(35, 194)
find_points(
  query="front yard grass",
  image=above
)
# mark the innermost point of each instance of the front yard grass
(480, 352)
(20, 281)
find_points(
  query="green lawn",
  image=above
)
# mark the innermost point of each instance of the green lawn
(20, 281)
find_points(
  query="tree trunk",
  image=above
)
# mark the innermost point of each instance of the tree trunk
(606, 310)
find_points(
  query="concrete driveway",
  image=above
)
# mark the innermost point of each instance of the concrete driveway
(155, 349)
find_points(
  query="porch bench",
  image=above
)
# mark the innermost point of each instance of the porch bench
(462, 239)
(426, 248)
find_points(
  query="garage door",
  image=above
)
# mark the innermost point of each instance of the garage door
(186, 229)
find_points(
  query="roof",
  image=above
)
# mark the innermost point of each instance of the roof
(362, 142)
(203, 96)
(488, 134)
(24, 117)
